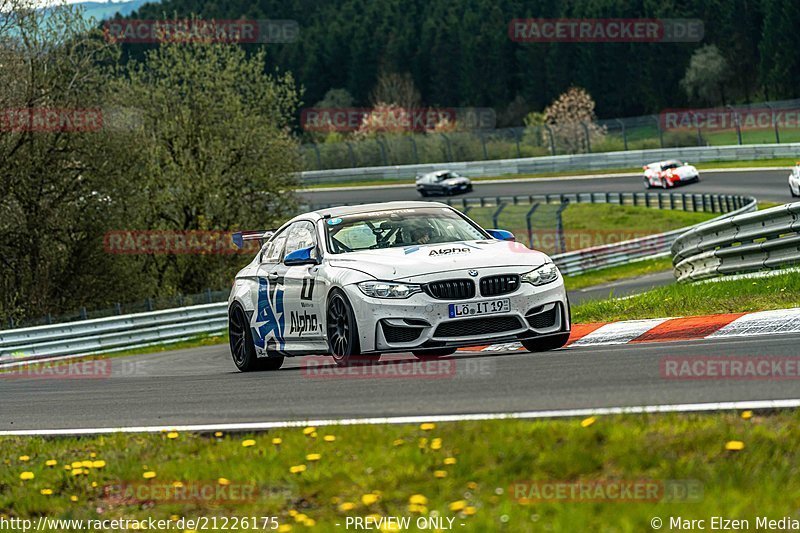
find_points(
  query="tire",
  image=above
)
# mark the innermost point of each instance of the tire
(243, 350)
(423, 193)
(342, 330)
(647, 184)
(434, 353)
(791, 191)
(546, 343)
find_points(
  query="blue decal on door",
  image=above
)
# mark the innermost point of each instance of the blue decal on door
(268, 321)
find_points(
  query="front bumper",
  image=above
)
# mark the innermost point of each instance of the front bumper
(422, 322)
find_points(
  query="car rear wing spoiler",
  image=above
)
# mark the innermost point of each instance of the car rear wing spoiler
(260, 235)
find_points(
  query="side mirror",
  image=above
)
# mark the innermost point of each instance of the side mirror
(501, 234)
(301, 257)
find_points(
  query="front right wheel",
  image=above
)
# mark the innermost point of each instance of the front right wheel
(544, 344)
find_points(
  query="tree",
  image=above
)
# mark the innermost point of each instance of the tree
(215, 152)
(395, 89)
(706, 76)
(572, 120)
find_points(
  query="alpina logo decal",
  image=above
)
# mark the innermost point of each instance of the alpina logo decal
(449, 251)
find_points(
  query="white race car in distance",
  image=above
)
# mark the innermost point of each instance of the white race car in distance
(794, 180)
(391, 277)
(667, 174)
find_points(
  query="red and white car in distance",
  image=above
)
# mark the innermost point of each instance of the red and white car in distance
(667, 174)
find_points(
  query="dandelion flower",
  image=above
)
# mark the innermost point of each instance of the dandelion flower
(313, 457)
(276, 441)
(247, 443)
(223, 481)
(149, 474)
(347, 506)
(46, 492)
(586, 422)
(297, 469)
(51, 462)
(329, 438)
(25, 476)
(427, 426)
(450, 460)
(734, 445)
(418, 499)
(457, 505)
(369, 499)
(309, 430)
(439, 474)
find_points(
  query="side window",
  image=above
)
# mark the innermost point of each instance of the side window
(274, 250)
(300, 235)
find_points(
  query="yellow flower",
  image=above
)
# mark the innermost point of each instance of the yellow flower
(418, 499)
(450, 460)
(469, 510)
(46, 492)
(747, 415)
(284, 528)
(313, 457)
(300, 517)
(174, 517)
(422, 443)
(276, 441)
(24, 458)
(309, 430)
(416, 508)
(86, 464)
(218, 434)
(329, 438)
(734, 445)
(51, 462)
(98, 464)
(369, 499)
(347, 506)
(472, 485)
(172, 435)
(92, 455)
(457, 505)
(149, 474)
(309, 522)
(292, 513)
(398, 442)
(73, 499)
(249, 442)
(25, 476)
(67, 467)
(427, 426)
(586, 422)
(94, 484)
(297, 469)
(78, 471)
(439, 474)
(76, 464)
(436, 444)
(224, 482)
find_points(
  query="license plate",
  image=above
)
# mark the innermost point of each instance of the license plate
(480, 308)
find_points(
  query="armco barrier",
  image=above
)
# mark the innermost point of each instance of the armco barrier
(740, 243)
(144, 329)
(633, 159)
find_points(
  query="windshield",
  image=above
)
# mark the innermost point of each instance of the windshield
(399, 227)
(670, 164)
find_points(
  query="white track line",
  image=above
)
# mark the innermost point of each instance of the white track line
(555, 413)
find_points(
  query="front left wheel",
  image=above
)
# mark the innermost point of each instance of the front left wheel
(342, 330)
(243, 350)
(546, 343)
(433, 353)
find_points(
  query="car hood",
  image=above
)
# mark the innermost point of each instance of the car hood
(403, 263)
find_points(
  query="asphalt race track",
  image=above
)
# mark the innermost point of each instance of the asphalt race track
(202, 386)
(767, 185)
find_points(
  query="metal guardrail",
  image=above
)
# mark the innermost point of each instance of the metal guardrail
(741, 243)
(633, 159)
(144, 329)
(112, 333)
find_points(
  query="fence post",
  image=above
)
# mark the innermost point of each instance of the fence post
(624, 135)
(496, 214)
(483, 144)
(208, 295)
(414, 148)
(560, 227)
(449, 148)
(529, 224)
(588, 141)
(774, 123)
(517, 135)
(660, 131)
(552, 139)
(736, 122)
(352, 154)
(383, 151)
(319, 157)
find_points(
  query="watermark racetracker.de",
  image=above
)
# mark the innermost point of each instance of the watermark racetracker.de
(606, 30)
(729, 368)
(607, 490)
(262, 31)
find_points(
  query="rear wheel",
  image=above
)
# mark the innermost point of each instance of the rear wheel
(791, 191)
(434, 353)
(243, 350)
(546, 343)
(423, 193)
(342, 330)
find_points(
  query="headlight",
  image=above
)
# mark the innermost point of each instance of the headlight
(547, 273)
(388, 289)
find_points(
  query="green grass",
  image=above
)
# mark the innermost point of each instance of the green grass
(784, 162)
(587, 225)
(687, 299)
(394, 463)
(606, 275)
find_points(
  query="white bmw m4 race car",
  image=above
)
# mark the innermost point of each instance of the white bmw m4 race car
(668, 174)
(391, 277)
